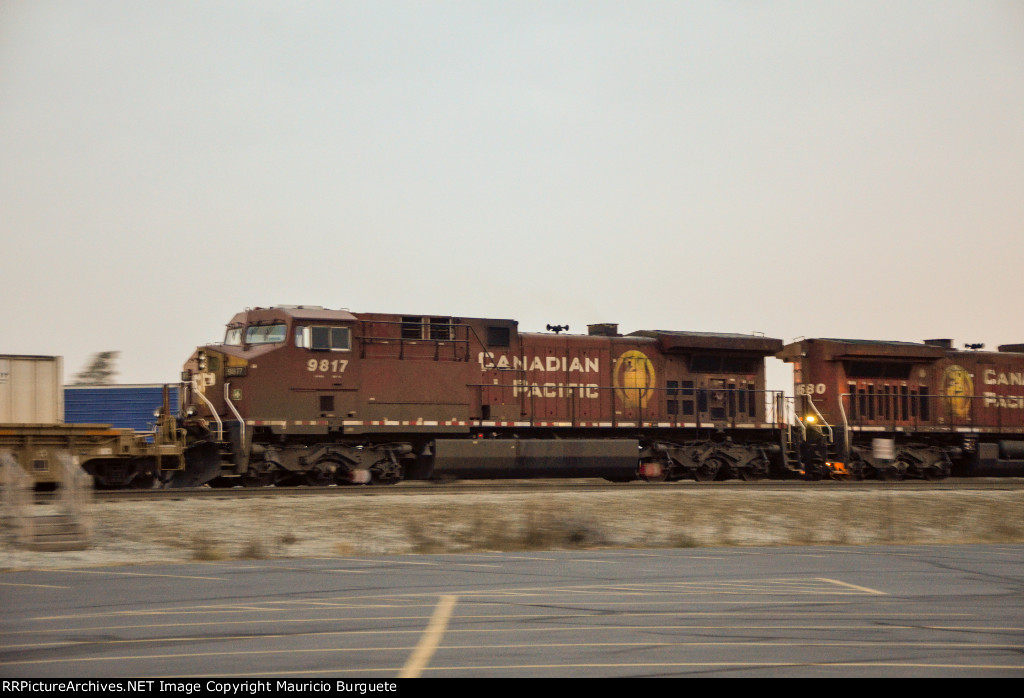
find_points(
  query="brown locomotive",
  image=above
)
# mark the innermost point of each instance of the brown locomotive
(898, 409)
(304, 394)
(301, 394)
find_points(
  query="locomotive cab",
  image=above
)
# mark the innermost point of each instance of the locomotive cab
(235, 386)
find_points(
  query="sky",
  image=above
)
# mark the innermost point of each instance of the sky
(851, 168)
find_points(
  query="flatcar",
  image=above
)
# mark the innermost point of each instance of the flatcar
(902, 409)
(304, 394)
(35, 438)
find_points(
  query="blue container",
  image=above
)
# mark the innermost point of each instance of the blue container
(122, 406)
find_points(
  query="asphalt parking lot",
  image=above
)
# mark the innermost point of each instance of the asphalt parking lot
(892, 611)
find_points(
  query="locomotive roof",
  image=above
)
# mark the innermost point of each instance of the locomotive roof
(298, 312)
(874, 341)
(865, 348)
(679, 340)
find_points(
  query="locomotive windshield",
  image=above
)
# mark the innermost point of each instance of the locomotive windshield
(265, 334)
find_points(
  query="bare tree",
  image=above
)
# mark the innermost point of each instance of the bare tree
(100, 370)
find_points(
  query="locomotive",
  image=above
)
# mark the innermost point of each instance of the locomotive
(892, 410)
(309, 395)
(304, 394)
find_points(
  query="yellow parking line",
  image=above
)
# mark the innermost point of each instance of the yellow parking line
(853, 586)
(430, 640)
(140, 574)
(38, 586)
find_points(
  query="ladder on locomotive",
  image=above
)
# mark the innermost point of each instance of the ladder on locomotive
(794, 444)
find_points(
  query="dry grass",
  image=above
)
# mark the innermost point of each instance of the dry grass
(665, 517)
(205, 550)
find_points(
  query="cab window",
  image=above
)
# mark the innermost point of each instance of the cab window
(324, 338)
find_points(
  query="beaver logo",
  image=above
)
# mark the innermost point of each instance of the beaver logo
(958, 386)
(634, 378)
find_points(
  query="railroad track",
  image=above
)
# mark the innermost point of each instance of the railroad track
(537, 486)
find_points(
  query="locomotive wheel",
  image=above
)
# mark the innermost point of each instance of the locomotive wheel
(383, 479)
(755, 470)
(257, 479)
(855, 469)
(315, 477)
(653, 471)
(890, 474)
(707, 470)
(223, 482)
(143, 481)
(385, 472)
(934, 474)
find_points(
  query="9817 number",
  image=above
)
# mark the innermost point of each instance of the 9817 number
(327, 365)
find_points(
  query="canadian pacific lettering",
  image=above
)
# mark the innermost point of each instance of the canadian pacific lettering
(1009, 378)
(548, 364)
(584, 390)
(993, 377)
(1013, 402)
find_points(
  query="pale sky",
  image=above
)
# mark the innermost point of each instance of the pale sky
(802, 168)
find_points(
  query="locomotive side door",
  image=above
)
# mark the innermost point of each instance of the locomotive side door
(715, 392)
(680, 395)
